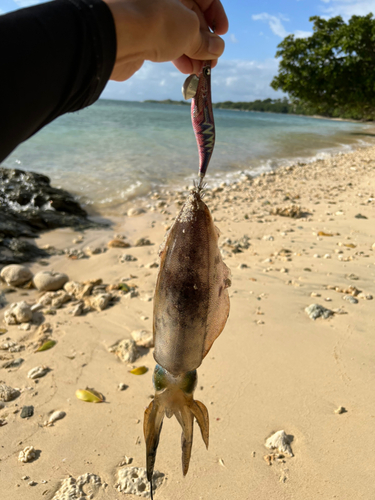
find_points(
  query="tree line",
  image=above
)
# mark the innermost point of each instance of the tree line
(330, 73)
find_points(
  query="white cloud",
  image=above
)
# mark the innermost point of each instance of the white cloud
(242, 80)
(277, 27)
(273, 22)
(238, 80)
(348, 8)
(232, 38)
(302, 34)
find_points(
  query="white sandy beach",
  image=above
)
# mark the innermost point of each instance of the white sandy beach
(273, 368)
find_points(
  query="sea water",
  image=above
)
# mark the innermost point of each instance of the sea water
(114, 151)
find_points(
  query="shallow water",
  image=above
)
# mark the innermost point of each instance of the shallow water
(114, 151)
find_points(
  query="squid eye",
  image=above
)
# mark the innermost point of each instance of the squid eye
(159, 378)
(207, 71)
(189, 382)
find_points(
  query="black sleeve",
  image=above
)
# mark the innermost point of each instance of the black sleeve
(54, 58)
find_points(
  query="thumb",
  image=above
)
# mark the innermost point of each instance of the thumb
(207, 46)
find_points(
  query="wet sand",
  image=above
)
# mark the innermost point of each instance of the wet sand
(273, 368)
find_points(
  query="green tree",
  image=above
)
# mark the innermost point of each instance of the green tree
(333, 70)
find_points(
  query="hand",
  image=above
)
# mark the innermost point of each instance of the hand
(166, 30)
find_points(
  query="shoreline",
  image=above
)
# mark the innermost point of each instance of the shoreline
(146, 201)
(273, 368)
(320, 117)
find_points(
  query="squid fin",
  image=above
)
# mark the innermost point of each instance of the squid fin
(219, 305)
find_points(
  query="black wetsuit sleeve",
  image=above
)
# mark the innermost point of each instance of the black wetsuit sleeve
(54, 58)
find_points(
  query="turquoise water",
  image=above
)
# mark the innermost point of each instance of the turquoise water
(115, 150)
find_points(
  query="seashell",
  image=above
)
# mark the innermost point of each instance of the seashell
(7, 393)
(340, 410)
(126, 461)
(13, 363)
(27, 455)
(118, 243)
(133, 212)
(37, 372)
(56, 415)
(280, 441)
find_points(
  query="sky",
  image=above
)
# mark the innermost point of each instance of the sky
(248, 64)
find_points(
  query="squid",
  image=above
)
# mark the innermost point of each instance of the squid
(191, 307)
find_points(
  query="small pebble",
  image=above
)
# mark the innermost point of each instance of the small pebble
(122, 386)
(27, 411)
(128, 258)
(365, 296)
(315, 311)
(350, 299)
(133, 212)
(27, 455)
(340, 410)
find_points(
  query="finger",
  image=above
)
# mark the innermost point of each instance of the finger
(192, 5)
(215, 15)
(184, 64)
(189, 66)
(206, 46)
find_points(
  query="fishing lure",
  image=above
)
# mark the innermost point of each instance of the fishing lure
(191, 307)
(199, 89)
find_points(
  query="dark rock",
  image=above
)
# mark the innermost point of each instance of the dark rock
(27, 412)
(15, 251)
(28, 205)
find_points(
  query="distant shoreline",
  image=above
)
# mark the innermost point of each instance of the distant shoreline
(219, 106)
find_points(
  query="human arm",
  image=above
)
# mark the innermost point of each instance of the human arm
(57, 57)
(167, 30)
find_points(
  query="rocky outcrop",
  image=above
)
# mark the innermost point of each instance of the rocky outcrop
(29, 205)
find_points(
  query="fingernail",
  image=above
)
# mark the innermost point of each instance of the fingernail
(215, 45)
